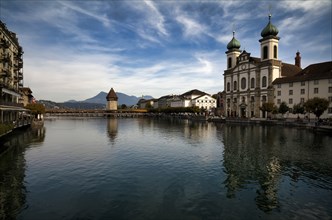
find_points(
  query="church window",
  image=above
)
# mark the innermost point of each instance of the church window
(265, 51)
(275, 51)
(228, 86)
(252, 83)
(264, 81)
(243, 83)
(229, 62)
(235, 85)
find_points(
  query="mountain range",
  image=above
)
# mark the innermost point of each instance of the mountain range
(122, 99)
(96, 102)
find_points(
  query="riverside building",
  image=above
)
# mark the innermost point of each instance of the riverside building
(249, 82)
(11, 77)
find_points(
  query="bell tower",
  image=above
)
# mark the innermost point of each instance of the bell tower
(269, 42)
(233, 52)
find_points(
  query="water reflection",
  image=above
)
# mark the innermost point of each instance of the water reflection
(12, 169)
(258, 157)
(112, 129)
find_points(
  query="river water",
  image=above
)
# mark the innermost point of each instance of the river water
(164, 169)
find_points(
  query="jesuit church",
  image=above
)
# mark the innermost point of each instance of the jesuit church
(248, 80)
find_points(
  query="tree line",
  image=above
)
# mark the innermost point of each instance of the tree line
(316, 105)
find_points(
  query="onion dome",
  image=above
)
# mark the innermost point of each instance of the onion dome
(270, 29)
(233, 44)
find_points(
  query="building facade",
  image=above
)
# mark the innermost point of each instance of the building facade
(11, 76)
(248, 80)
(313, 81)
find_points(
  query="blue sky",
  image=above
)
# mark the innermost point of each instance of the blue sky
(75, 49)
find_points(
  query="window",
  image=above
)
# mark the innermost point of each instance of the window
(265, 51)
(279, 86)
(330, 89)
(275, 51)
(228, 86)
(252, 83)
(290, 101)
(252, 98)
(302, 100)
(291, 84)
(243, 83)
(243, 99)
(316, 82)
(264, 98)
(302, 91)
(315, 90)
(279, 93)
(229, 62)
(330, 81)
(329, 110)
(330, 99)
(278, 101)
(290, 92)
(303, 83)
(235, 100)
(235, 85)
(264, 81)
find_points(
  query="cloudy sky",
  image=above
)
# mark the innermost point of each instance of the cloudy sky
(75, 49)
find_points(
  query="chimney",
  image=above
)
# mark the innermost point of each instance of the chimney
(298, 59)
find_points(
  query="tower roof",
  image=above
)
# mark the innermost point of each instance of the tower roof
(234, 43)
(270, 29)
(111, 96)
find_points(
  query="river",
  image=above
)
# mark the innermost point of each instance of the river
(139, 168)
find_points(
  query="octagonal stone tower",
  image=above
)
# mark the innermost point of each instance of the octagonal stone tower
(112, 101)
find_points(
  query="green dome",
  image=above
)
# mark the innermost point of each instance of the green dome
(233, 44)
(270, 29)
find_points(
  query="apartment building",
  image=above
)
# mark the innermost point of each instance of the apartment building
(11, 76)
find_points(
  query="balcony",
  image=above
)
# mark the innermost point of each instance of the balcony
(12, 104)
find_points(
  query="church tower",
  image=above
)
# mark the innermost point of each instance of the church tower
(269, 42)
(233, 52)
(112, 101)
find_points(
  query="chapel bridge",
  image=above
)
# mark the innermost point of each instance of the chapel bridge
(126, 113)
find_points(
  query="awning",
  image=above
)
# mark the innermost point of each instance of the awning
(10, 92)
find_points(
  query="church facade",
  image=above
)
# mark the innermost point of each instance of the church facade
(248, 80)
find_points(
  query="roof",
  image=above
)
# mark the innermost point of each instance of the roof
(270, 29)
(111, 96)
(193, 92)
(289, 69)
(234, 43)
(312, 72)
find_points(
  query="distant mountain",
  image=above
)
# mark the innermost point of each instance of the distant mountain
(122, 99)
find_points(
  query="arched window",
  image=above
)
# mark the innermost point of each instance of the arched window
(235, 85)
(264, 81)
(265, 51)
(252, 83)
(243, 83)
(229, 62)
(228, 86)
(275, 52)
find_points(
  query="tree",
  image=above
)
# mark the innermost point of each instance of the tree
(283, 108)
(123, 106)
(36, 108)
(316, 105)
(267, 107)
(298, 109)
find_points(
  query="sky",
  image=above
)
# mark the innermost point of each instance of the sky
(75, 49)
